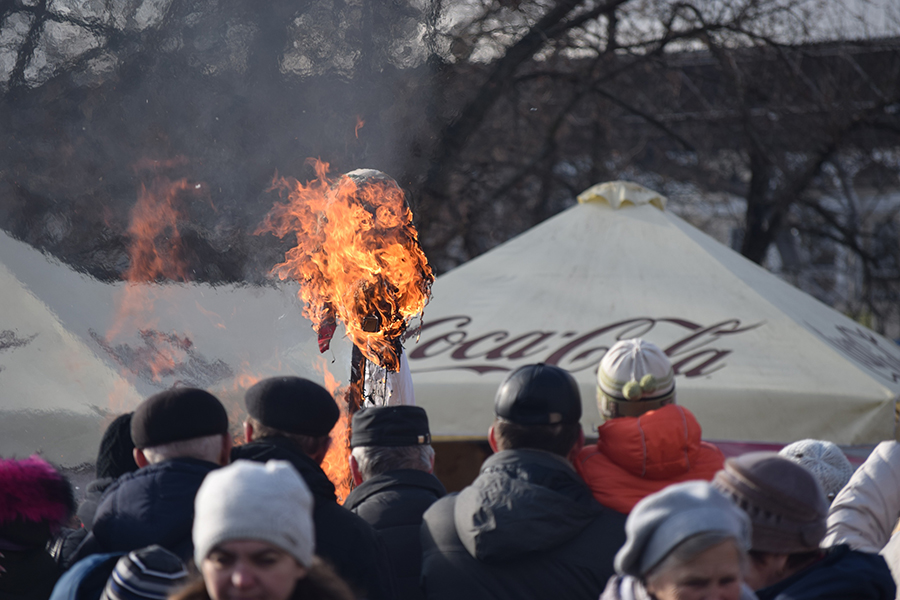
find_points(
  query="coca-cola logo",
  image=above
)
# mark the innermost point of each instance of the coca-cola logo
(698, 349)
(864, 347)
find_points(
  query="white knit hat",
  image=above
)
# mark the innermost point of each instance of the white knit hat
(634, 376)
(251, 501)
(824, 460)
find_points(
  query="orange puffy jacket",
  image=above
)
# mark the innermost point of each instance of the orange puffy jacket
(637, 456)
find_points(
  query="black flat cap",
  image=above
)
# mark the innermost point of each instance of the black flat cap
(293, 405)
(390, 426)
(175, 415)
(538, 395)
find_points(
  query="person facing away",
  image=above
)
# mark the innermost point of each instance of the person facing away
(648, 441)
(254, 538)
(392, 463)
(687, 542)
(528, 526)
(290, 418)
(788, 511)
(180, 436)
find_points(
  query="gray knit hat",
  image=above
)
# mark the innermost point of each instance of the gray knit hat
(783, 500)
(663, 520)
(824, 460)
(251, 501)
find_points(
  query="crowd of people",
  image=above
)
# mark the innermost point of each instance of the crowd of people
(650, 511)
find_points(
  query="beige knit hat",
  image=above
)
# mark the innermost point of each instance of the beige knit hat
(635, 376)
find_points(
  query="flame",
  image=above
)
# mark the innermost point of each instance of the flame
(357, 256)
(337, 460)
(359, 125)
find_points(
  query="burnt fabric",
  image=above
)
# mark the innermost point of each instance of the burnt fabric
(153, 505)
(393, 503)
(115, 456)
(175, 415)
(390, 426)
(294, 405)
(638, 456)
(342, 538)
(538, 395)
(843, 574)
(527, 527)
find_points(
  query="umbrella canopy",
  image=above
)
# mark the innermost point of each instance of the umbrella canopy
(755, 358)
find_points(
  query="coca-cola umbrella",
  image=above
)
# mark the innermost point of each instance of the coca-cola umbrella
(756, 359)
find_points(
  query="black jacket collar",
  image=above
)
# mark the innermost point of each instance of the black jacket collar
(391, 479)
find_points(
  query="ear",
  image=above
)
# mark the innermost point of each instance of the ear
(248, 431)
(354, 470)
(491, 440)
(576, 449)
(139, 458)
(431, 465)
(225, 455)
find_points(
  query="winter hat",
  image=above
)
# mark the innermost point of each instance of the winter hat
(824, 460)
(783, 500)
(294, 405)
(250, 501)
(634, 377)
(662, 521)
(177, 414)
(35, 502)
(538, 395)
(390, 426)
(150, 573)
(116, 456)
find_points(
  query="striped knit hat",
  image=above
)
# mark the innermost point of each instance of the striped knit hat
(634, 377)
(150, 573)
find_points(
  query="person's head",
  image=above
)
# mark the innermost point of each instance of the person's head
(824, 460)
(36, 501)
(294, 408)
(686, 542)
(387, 438)
(253, 531)
(787, 508)
(180, 423)
(116, 454)
(538, 407)
(148, 573)
(634, 377)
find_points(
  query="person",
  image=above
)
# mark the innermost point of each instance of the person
(648, 441)
(180, 436)
(528, 526)
(687, 542)
(788, 510)
(824, 460)
(115, 458)
(865, 512)
(146, 574)
(290, 418)
(392, 462)
(35, 502)
(254, 538)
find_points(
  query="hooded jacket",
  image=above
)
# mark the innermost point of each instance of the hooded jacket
(342, 538)
(527, 527)
(638, 456)
(153, 505)
(393, 503)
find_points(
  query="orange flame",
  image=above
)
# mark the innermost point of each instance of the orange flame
(359, 125)
(357, 256)
(337, 460)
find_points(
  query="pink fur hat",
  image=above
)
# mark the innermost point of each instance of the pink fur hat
(31, 490)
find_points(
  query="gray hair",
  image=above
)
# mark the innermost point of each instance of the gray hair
(207, 448)
(692, 547)
(375, 460)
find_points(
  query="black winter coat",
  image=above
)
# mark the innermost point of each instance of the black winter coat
(393, 503)
(342, 538)
(843, 574)
(527, 527)
(69, 540)
(153, 505)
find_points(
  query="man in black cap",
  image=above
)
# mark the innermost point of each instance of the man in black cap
(528, 526)
(179, 435)
(392, 462)
(290, 418)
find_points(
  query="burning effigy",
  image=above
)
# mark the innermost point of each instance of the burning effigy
(358, 261)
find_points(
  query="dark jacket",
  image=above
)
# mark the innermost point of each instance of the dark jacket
(153, 505)
(843, 574)
(393, 503)
(30, 574)
(67, 543)
(527, 527)
(342, 538)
